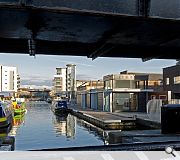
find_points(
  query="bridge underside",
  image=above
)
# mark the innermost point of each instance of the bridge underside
(67, 31)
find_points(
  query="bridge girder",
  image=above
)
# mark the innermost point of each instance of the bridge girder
(92, 33)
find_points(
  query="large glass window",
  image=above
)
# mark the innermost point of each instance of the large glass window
(124, 102)
(120, 101)
(124, 84)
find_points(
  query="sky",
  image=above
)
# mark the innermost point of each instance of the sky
(39, 71)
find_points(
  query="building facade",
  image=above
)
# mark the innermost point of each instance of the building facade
(60, 81)
(130, 91)
(71, 81)
(9, 79)
(65, 81)
(171, 81)
(125, 91)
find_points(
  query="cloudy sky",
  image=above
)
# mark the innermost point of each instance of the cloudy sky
(40, 70)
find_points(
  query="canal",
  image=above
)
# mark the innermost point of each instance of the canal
(39, 128)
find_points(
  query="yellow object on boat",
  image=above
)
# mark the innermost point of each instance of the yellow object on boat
(3, 119)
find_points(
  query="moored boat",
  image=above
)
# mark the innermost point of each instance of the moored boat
(6, 114)
(59, 107)
(19, 107)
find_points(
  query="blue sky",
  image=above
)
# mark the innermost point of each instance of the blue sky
(40, 70)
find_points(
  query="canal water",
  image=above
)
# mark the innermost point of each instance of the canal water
(39, 128)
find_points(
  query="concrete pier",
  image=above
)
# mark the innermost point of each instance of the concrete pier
(106, 120)
(114, 121)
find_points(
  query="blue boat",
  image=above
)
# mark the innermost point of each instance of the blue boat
(59, 107)
(6, 114)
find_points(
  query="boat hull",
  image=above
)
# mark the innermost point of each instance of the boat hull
(6, 121)
(60, 111)
(19, 111)
(6, 114)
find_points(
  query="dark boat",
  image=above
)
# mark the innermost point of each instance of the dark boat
(59, 107)
(6, 114)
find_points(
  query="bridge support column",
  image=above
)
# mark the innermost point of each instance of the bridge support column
(143, 7)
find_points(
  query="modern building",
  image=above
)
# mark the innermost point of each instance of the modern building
(9, 79)
(90, 94)
(71, 81)
(130, 91)
(59, 81)
(84, 85)
(65, 81)
(171, 81)
(126, 91)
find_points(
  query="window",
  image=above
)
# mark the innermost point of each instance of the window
(177, 80)
(167, 81)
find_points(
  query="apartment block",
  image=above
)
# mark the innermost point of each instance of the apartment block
(64, 81)
(9, 79)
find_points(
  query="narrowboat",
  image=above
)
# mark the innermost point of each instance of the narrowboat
(59, 107)
(6, 114)
(19, 107)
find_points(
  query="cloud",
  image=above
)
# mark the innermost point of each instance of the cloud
(71, 62)
(85, 77)
(34, 77)
(37, 82)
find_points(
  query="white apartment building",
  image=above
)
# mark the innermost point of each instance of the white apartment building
(71, 81)
(60, 80)
(9, 79)
(65, 81)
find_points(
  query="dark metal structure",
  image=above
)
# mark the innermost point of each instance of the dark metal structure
(129, 28)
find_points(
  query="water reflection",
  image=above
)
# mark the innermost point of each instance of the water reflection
(65, 125)
(7, 134)
(107, 136)
(40, 128)
(17, 121)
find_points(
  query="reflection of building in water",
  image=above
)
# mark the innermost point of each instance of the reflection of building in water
(60, 125)
(65, 125)
(71, 126)
(107, 136)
